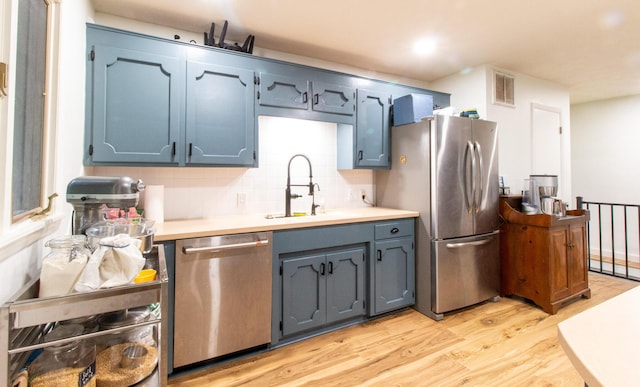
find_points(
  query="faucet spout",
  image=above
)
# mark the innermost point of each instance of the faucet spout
(288, 194)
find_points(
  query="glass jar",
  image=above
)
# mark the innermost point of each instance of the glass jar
(128, 355)
(62, 267)
(67, 364)
(124, 318)
(89, 323)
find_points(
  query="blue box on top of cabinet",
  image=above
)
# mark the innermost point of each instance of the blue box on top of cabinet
(412, 108)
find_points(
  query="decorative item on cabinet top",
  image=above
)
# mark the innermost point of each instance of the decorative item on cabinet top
(209, 40)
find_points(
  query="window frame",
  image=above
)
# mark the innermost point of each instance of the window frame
(45, 125)
(13, 228)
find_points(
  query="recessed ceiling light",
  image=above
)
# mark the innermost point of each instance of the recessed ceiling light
(425, 47)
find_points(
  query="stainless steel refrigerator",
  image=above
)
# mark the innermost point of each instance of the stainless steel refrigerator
(446, 168)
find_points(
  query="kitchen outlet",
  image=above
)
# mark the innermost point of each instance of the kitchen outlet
(241, 199)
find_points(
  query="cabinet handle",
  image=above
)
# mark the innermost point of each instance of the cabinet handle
(330, 267)
(359, 155)
(190, 149)
(395, 230)
(316, 99)
(304, 97)
(379, 254)
(322, 268)
(173, 149)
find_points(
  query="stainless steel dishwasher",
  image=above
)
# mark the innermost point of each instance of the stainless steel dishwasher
(222, 296)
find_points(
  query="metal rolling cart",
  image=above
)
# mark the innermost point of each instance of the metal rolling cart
(25, 319)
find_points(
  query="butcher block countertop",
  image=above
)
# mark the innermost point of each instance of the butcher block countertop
(235, 224)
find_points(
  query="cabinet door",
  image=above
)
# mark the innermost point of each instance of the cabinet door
(345, 284)
(578, 277)
(303, 293)
(559, 265)
(220, 122)
(284, 92)
(372, 129)
(135, 106)
(330, 98)
(394, 274)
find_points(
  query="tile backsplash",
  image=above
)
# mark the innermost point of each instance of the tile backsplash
(196, 192)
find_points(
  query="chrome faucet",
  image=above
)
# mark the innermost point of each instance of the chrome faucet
(288, 195)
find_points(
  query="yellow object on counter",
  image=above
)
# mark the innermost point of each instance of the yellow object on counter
(145, 275)
(299, 214)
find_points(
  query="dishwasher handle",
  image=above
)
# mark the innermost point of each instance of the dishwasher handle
(234, 246)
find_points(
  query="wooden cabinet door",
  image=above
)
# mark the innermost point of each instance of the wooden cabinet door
(303, 293)
(345, 284)
(220, 121)
(394, 274)
(372, 129)
(578, 279)
(134, 106)
(559, 264)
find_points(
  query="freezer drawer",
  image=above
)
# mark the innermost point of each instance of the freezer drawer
(465, 271)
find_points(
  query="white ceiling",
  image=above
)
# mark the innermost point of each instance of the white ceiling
(591, 47)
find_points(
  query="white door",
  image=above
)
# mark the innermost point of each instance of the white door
(546, 142)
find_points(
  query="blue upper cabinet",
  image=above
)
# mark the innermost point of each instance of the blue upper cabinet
(155, 102)
(220, 121)
(372, 129)
(280, 91)
(134, 105)
(331, 98)
(302, 96)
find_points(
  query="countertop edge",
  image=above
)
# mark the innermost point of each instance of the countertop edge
(237, 224)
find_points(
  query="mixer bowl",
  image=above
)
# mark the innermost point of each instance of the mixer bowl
(101, 230)
(547, 190)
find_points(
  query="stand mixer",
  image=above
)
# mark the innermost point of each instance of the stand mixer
(88, 195)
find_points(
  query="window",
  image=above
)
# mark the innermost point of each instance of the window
(504, 89)
(30, 104)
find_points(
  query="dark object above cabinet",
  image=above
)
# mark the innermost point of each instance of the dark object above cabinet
(159, 102)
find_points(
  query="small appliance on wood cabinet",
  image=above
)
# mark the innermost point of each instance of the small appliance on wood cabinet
(544, 257)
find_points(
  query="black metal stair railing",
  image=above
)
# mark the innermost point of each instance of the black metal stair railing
(617, 230)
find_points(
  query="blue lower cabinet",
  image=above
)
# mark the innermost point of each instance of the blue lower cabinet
(322, 288)
(394, 284)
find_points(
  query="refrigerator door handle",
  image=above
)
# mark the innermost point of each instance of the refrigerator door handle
(480, 169)
(464, 244)
(469, 197)
(472, 243)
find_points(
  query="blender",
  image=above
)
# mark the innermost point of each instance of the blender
(543, 191)
(88, 195)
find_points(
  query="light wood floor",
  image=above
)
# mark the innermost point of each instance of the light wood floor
(508, 343)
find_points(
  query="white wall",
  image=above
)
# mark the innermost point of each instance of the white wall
(605, 150)
(475, 89)
(209, 192)
(605, 161)
(21, 256)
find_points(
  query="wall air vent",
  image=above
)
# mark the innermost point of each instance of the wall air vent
(503, 87)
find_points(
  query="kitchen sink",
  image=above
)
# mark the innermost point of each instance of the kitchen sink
(302, 215)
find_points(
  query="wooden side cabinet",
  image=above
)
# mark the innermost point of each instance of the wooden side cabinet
(544, 257)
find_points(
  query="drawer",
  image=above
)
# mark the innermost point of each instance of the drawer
(393, 229)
